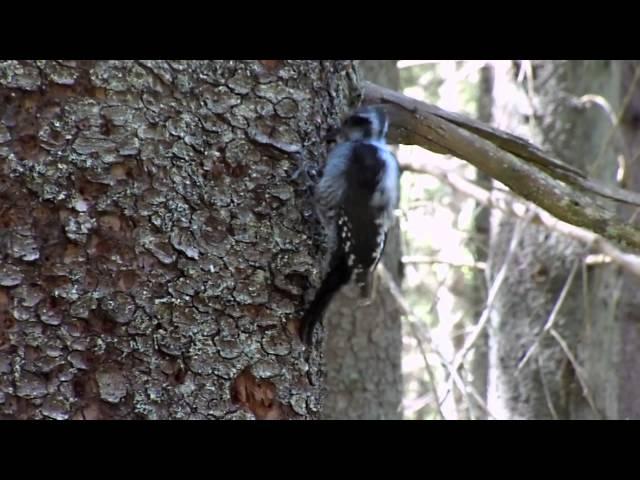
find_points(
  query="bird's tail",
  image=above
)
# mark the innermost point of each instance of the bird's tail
(366, 281)
(338, 275)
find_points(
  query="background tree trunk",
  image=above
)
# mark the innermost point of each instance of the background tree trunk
(479, 244)
(628, 311)
(551, 384)
(155, 249)
(364, 345)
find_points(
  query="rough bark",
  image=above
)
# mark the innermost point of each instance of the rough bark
(550, 384)
(628, 311)
(364, 345)
(155, 249)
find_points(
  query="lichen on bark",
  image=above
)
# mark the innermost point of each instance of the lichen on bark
(155, 242)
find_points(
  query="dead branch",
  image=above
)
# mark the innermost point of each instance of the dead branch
(533, 174)
(505, 202)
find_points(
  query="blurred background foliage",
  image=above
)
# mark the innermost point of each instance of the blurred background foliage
(437, 224)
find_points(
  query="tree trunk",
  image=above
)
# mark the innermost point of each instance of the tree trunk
(156, 251)
(364, 345)
(571, 372)
(480, 248)
(628, 311)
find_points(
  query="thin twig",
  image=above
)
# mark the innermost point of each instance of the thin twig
(616, 122)
(579, 372)
(469, 389)
(585, 299)
(424, 259)
(427, 366)
(552, 316)
(492, 295)
(509, 204)
(545, 389)
(408, 311)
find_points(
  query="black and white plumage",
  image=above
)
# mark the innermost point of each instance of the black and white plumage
(355, 201)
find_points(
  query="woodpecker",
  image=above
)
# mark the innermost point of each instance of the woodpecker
(355, 201)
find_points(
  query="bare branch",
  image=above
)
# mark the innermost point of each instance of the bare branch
(427, 366)
(552, 316)
(531, 173)
(580, 374)
(615, 126)
(505, 202)
(545, 390)
(424, 259)
(491, 297)
(408, 311)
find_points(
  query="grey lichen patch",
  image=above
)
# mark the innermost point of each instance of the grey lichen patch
(218, 99)
(129, 146)
(245, 226)
(282, 137)
(240, 83)
(58, 73)
(5, 135)
(202, 356)
(111, 75)
(78, 360)
(161, 69)
(185, 242)
(5, 363)
(287, 108)
(120, 307)
(266, 368)
(24, 247)
(299, 404)
(187, 127)
(264, 108)
(283, 191)
(19, 74)
(120, 116)
(173, 343)
(77, 227)
(10, 275)
(187, 286)
(56, 407)
(237, 119)
(160, 249)
(244, 112)
(30, 385)
(49, 314)
(289, 269)
(227, 370)
(112, 385)
(241, 152)
(275, 343)
(285, 238)
(277, 91)
(83, 306)
(46, 364)
(252, 289)
(181, 150)
(228, 345)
